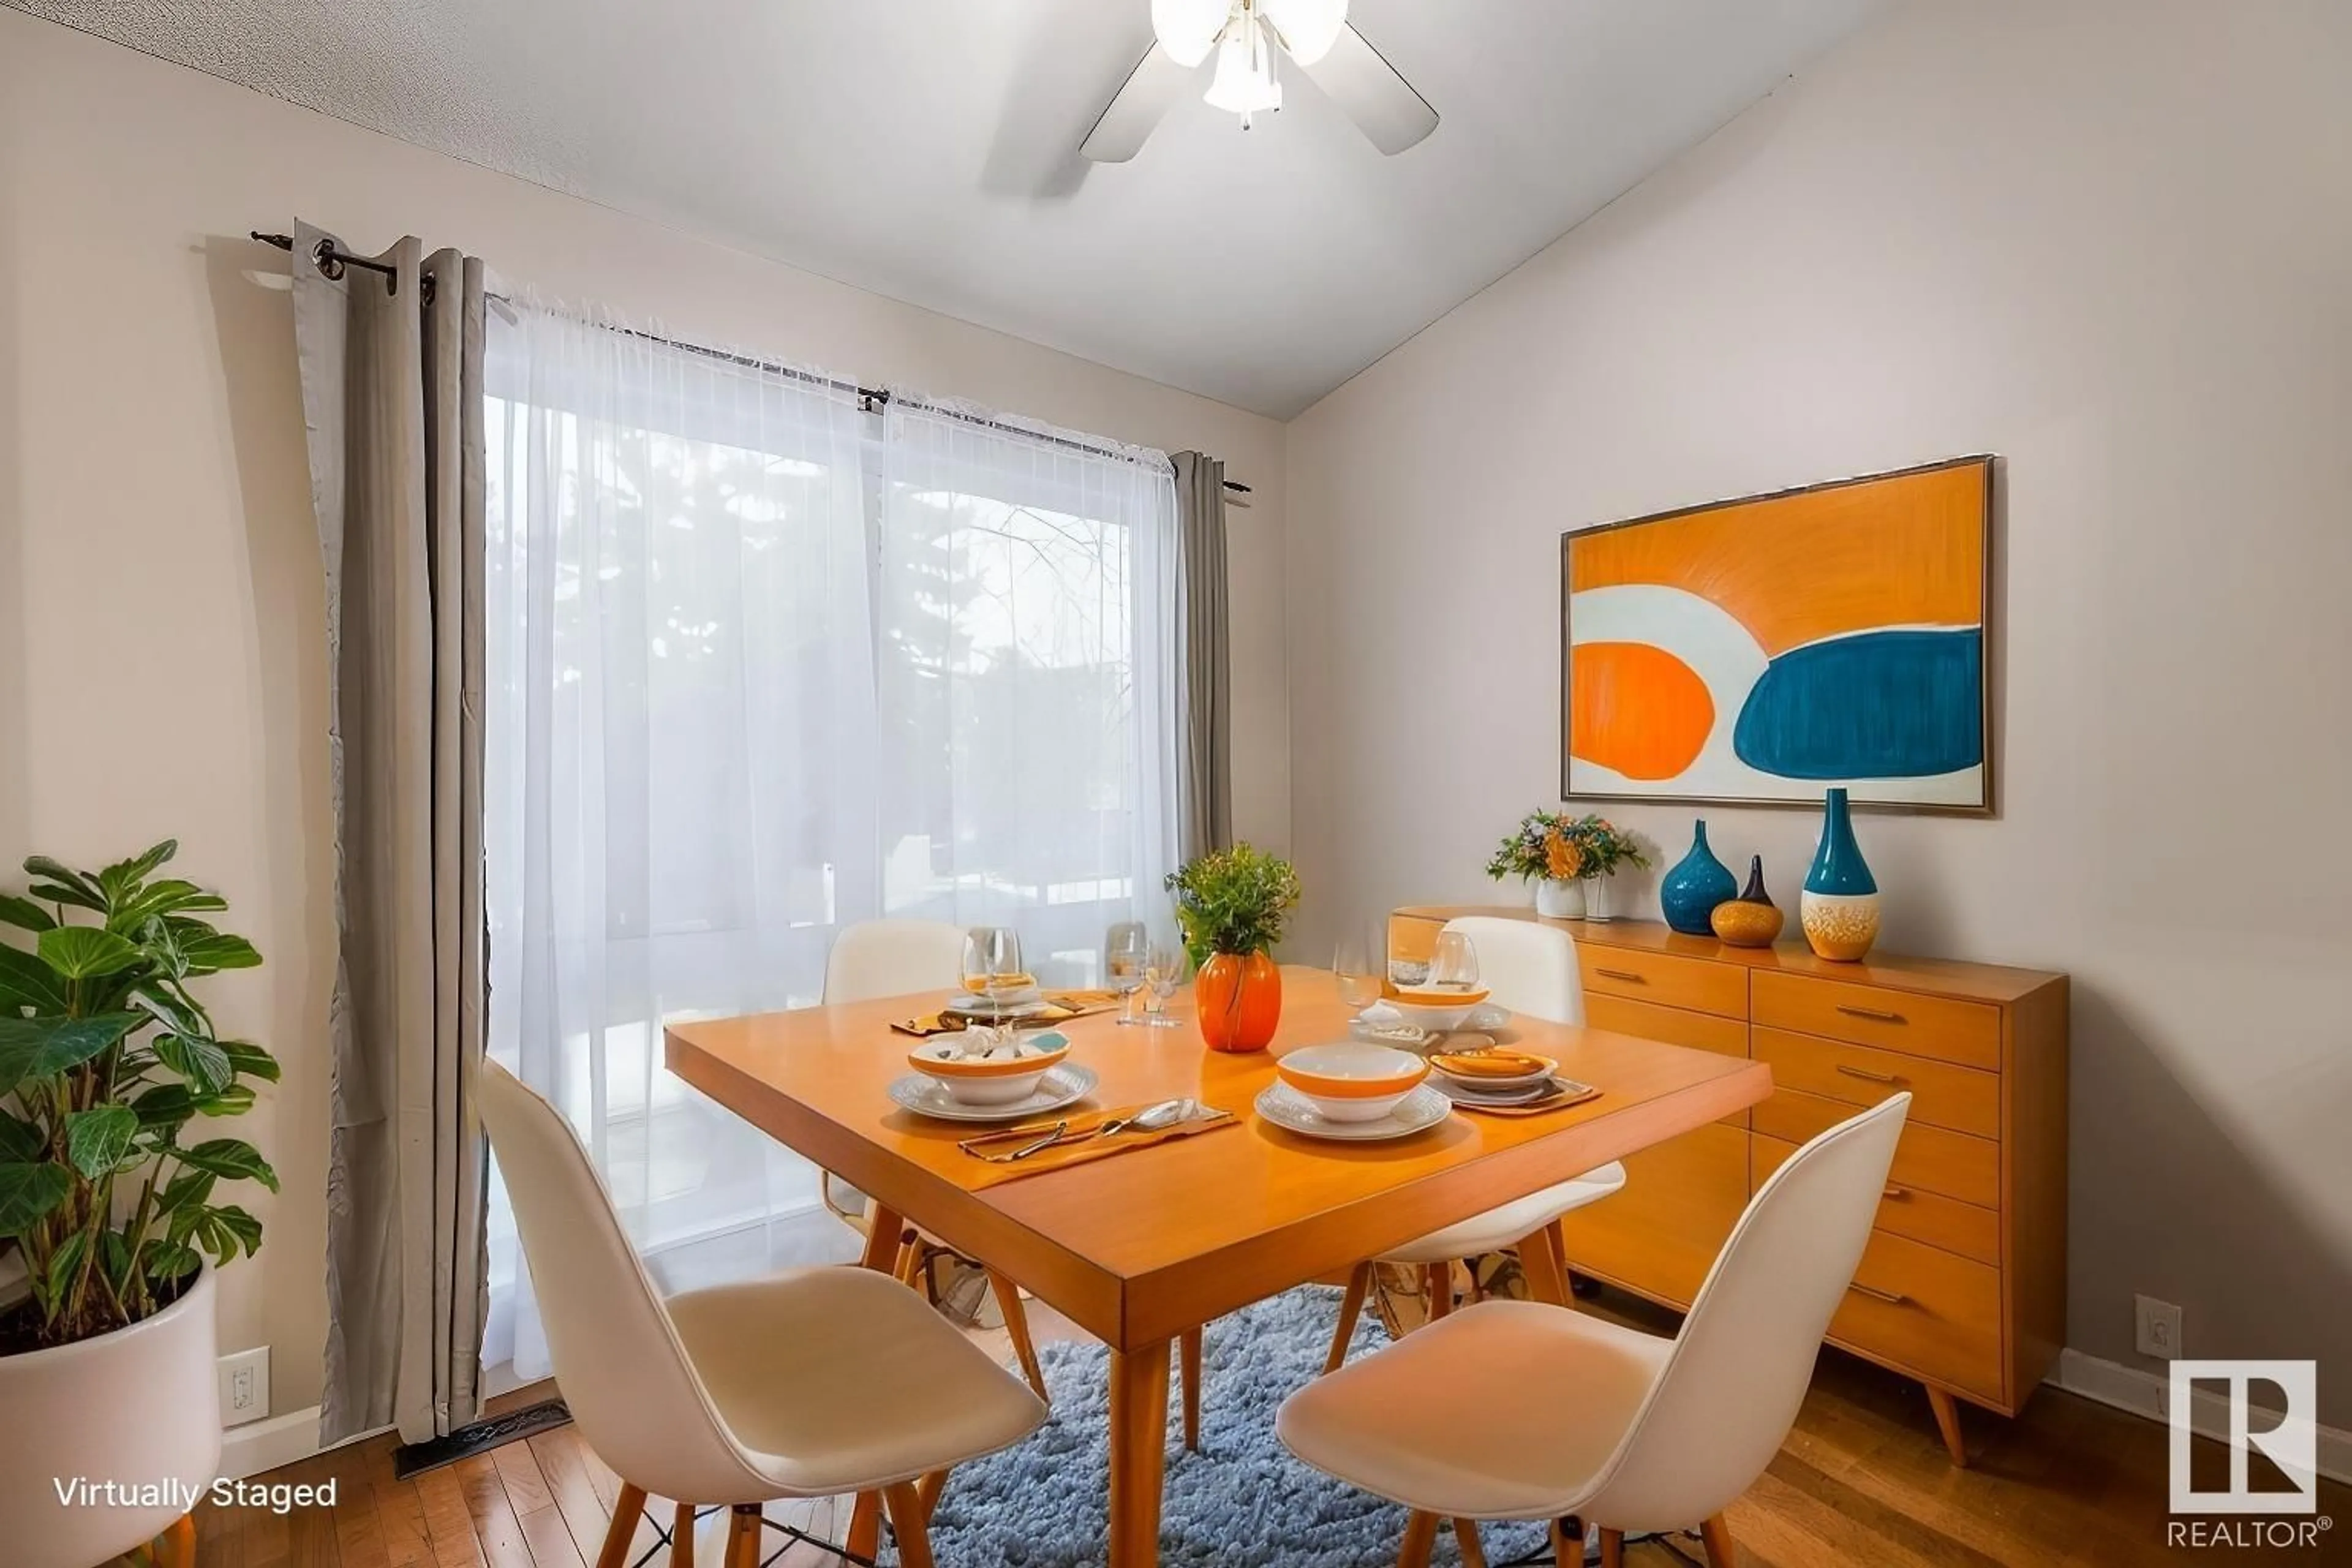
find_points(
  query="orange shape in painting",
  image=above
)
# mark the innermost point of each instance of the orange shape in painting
(1905, 550)
(1637, 708)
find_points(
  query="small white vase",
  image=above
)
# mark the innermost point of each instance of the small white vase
(1559, 898)
(1598, 904)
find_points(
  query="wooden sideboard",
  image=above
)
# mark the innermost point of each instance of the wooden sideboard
(1963, 1285)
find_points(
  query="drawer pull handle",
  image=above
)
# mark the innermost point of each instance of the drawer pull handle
(1866, 1075)
(1892, 1298)
(1621, 974)
(1875, 1014)
(1896, 1193)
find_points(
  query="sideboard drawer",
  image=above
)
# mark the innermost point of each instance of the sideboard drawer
(1675, 1026)
(1926, 1311)
(1915, 1212)
(1698, 984)
(1964, 1099)
(1952, 1164)
(1964, 1032)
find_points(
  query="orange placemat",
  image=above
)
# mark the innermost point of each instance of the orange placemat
(1076, 1148)
(1064, 1006)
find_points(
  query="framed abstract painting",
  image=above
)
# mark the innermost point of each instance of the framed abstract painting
(1755, 651)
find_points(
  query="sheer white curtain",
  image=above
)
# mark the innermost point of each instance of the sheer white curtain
(1026, 605)
(760, 664)
(679, 761)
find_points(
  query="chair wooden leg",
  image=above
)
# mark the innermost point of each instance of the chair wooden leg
(1352, 1307)
(1566, 1553)
(865, 1536)
(627, 1509)
(1016, 1324)
(1188, 1346)
(1539, 1261)
(928, 1490)
(1441, 1289)
(909, 1264)
(1465, 1540)
(1612, 1548)
(176, 1547)
(1716, 1535)
(912, 1521)
(743, 1528)
(681, 1537)
(883, 1229)
(1420, 1536)
(1947, 1421)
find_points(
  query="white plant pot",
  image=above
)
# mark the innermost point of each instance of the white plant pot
(1600, 904)
(1557, 898)
(138, 1408)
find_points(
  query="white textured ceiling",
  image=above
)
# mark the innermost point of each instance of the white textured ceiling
(928, 149)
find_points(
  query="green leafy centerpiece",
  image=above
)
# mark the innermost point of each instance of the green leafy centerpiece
(1232, 904)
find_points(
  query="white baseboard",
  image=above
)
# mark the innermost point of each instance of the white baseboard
(2147, 1394)
(264, 1444)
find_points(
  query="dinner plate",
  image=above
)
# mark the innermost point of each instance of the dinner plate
(1061, 1085)
(1462, 1093)
(1286, 1108)
(1027, 1004)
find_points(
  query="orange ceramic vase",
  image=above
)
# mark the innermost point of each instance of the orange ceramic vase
(1240, 1001)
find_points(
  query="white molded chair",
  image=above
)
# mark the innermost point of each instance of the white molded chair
(1526, 1411)
(806, 1384)
(1531, 969)
(878, 957)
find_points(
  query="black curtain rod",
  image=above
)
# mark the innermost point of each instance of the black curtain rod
(331, 262)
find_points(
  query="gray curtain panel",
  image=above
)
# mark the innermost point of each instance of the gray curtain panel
(392, 396)
(1206, 776)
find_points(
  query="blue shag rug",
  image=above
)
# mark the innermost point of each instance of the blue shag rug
(1241, 1502)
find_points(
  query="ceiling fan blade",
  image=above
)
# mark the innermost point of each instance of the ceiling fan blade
(1152, 89)
(1383, 104)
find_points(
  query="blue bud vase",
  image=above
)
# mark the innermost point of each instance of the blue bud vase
(1689, 892)
(1839, 909)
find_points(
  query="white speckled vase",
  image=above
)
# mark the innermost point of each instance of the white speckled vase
(1559, 898)
(1840, 926)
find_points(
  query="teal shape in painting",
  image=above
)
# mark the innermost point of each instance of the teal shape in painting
(1838, 865)
(1877, 705)
(1688, 894)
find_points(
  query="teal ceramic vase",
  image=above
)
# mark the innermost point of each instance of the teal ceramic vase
(1689, 892)
(1839, 909)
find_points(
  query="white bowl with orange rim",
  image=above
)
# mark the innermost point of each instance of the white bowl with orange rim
(986, 1067)
(1440, 1009)
(1352, 1080)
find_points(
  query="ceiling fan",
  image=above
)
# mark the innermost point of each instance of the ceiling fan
(1246, 35)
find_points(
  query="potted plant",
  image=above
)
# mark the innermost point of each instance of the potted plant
(110, 1073)
(1231, 904)
(1540, 851)
(1601, 848)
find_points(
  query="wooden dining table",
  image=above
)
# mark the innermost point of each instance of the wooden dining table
(1140, 1247)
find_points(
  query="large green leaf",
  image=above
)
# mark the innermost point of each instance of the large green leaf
(19, 1139)
(250, 1060)
(81, 952)
(187, 1187)
(124, 874)
(97, 1139)
(25, 913)
(234, 1100)
(26, 981)
(165, 1105)
(240, 1224)
(199, 1060)
(233, 1158)
(64, 1264)
(208, 953)
(36, 1048)
(29, 1190)
(161, 900)
(61, 884)
(169, 1259)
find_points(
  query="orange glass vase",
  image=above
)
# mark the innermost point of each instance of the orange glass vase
(1240, 1001)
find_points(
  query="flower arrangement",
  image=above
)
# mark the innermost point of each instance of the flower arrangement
(1234, 901)
(1561, 848)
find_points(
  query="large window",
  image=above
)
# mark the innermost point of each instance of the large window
(761, 662)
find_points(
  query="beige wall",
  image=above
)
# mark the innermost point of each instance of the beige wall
(161, 669)
(2111, 242)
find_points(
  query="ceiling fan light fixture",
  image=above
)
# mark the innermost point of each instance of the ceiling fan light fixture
(1308, 27)
(1188, 30)
(1244, 83)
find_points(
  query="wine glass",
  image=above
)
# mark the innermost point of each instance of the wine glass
(1453, 966)
(1124, 953)
(992, 963)
(1356, 970)
(1163, 971)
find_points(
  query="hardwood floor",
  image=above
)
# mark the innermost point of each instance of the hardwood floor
(1862, 1480)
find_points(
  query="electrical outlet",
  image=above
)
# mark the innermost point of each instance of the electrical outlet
(244, 1386)
(2156, 1328)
